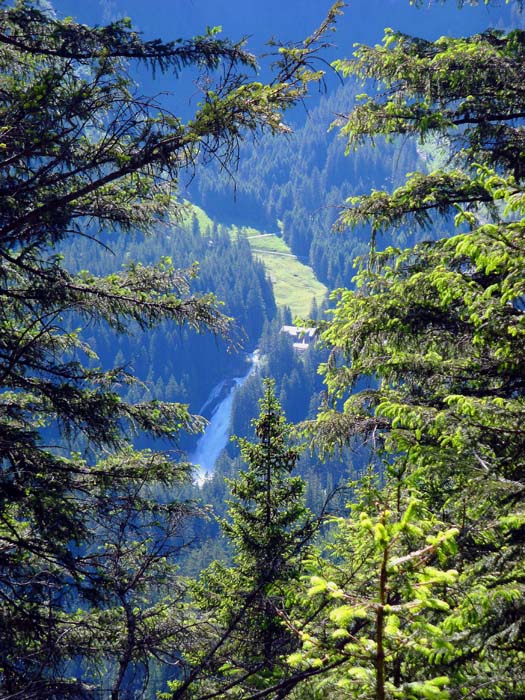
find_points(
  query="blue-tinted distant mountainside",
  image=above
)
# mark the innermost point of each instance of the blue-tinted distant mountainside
(364, 20)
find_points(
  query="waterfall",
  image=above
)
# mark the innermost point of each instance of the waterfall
(217, 433)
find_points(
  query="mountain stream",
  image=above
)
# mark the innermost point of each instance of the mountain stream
(217, 433)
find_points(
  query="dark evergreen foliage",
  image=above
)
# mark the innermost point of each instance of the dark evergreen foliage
(270, 531)
(439, 329)
(88, 593)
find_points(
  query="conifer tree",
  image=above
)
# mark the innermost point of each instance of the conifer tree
(86, 568)
(437, 331)
(270, 530)
(379, 600)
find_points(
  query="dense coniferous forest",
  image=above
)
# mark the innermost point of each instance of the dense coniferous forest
(297, 182)
(183, 364)
(362, 536)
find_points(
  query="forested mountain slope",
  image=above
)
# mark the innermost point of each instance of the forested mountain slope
(415, 588)
(297, 182)
(171, 363)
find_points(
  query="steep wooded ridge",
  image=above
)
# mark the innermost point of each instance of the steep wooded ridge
(174, 363)
(296, 182)
(417, 589)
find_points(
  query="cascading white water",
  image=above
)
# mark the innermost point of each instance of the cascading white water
(217, 433)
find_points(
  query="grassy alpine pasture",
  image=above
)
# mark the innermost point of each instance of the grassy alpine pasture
(294, 283)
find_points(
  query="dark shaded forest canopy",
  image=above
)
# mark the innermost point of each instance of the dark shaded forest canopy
(90, 526)
(120, 578)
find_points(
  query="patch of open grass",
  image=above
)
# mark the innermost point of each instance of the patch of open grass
(294, 284)
(203, 219)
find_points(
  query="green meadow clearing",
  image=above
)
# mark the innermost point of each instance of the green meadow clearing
(294, 283)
